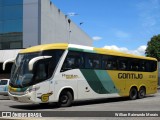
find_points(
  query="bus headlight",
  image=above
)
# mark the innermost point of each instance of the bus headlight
(31, 89)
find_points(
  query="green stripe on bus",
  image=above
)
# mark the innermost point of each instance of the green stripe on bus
(81, 50)
(94, 81)
(106, 81)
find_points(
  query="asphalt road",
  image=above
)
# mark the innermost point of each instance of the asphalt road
(117, 105)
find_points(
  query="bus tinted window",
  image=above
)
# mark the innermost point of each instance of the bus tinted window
(151, 66)
(74, 60)
(127, 64)
(92, 61)
(83, 60)
(133, 65)
(122, 63)
(109, 62)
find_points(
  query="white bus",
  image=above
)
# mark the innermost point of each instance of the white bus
(64, 73)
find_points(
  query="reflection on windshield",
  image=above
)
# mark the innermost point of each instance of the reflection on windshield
(42, 69)
(20, 68)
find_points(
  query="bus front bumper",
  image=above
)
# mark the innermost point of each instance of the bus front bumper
(26, 98)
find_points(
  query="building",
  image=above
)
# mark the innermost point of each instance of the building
(26, 23)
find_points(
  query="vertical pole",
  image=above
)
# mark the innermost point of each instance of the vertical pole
(69, 21)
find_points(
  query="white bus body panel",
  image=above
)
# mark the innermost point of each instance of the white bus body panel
(75, 80)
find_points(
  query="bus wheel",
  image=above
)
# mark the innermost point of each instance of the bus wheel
(141, 93)
(133, 93)
(65, 99)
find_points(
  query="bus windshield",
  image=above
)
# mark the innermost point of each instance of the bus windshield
(42, 69)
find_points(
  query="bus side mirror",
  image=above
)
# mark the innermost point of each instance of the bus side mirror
(8, 61)
(34, 60)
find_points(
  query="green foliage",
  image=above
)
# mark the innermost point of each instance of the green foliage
(153, 47)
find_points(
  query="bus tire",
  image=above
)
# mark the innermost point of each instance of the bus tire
(65, 99)
(141, 93)
(133, 93)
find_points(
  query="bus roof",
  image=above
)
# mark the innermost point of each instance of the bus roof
(82, 48)
(39, 48)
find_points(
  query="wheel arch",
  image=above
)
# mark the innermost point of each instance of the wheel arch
(133, 86)
(142, 86)
(67, 88)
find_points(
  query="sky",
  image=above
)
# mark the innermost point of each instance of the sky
(123, 25)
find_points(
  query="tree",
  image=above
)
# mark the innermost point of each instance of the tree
(153, 47)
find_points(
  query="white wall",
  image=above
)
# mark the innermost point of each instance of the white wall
(55, 27)
(43, 23)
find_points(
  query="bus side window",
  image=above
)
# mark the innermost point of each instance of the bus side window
(109, 62)
(92, 61)
(74, 60)
(112, 63)
(142, 66)
(109, 65)
(122, 64)
(151, 66)
(135, 65)
(154, 66)
(104, 62)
